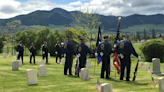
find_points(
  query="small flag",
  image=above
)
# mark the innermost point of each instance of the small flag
(154, 82)
(149, 70)
(98, 87)
(79, 74)
(60, 63)
(142, 66)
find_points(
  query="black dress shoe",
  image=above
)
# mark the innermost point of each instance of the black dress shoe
(101, 77)
(108, 78)
(127, 80)
(65, 74)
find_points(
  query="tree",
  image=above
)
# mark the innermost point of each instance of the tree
(88, 20)
(138, 36)
(144, 35)
(163, 36)
(2, 38)
(153, 34)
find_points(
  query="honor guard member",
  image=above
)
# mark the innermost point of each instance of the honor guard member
(105, 50)
(32, 50)
(82, 51)
(20, 50)
(68, 52)
(124, 49)
(45, 51)
(58, 51)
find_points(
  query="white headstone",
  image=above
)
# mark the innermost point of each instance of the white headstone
(125, 74)
(141, 63)
(84, 74)
(111, 65)
(49, 56)
(63, 61)
(31, 76)
(20, 62)
(106, 87)
(9, 54)
(4, 55)
(29, 54)
(156, 66)
(41, 62)
(42, 70)
(147, 65)
(15, 65)
(161, 84)
(88, 64)
(17, 54)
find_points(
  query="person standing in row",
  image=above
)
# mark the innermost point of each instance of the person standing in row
(105, 50)
(20, 51)
(45, 51)
(58, 51)
(82, 51)
(32, 50)
(124, 49)
(68, 52)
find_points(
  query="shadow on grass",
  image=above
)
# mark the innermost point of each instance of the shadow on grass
(113, 80)
(33, 85)
(136, 83)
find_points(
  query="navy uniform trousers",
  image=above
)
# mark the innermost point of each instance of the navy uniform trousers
(20, 55)
(68, 64)
(105, 66)
(125, 62)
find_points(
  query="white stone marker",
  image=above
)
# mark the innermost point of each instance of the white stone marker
(41, 62)
(88, 64)
(106, 87)
(125, 74)
(156, 66)
(4, 55)
(49, 56)
(147, 65)
(141, 63)
(9, 54)
(20, 62)
(111, 65)
(29, 54)
(84, 74)
(161, 83)
(15, 65)
(63, 61)
(42, 70)
(17, 55)
(31, 76)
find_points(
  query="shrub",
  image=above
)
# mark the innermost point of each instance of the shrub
(153, 49)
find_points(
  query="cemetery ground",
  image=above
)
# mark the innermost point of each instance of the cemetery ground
(56, 81)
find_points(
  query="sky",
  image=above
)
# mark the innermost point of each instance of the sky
(12, 8)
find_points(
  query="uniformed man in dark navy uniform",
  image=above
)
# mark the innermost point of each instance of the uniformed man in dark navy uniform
(82, 51)
(58, 51)
(124, 49)
(105, 50)
(68, 52)
(45, 51)
(20, 50)
(32, 50)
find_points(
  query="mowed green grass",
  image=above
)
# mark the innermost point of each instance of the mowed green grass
(56, 81)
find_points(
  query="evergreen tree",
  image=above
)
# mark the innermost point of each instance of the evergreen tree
(138, 36)
(144, 35)
(153, 34)
(163, 36)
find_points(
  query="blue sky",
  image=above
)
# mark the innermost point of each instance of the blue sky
(58, 1)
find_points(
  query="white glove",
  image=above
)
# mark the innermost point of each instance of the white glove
(139, 57)
(64, 55)
(101, 53)
(43, 52)
(18, 53)
(79, 54)
(56, 52)
(121, 55)
(95, 54)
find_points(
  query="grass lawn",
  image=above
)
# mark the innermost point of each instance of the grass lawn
(15, 81)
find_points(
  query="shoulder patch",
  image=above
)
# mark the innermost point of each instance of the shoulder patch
(65, 46)
(79, 48)
(102, 46)
(121, 46)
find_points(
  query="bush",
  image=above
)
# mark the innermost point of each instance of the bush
(153, 49)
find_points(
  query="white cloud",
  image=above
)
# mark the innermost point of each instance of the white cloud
(12, 8)
(76, 3)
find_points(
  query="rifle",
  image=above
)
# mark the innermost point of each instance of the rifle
(135, 71)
